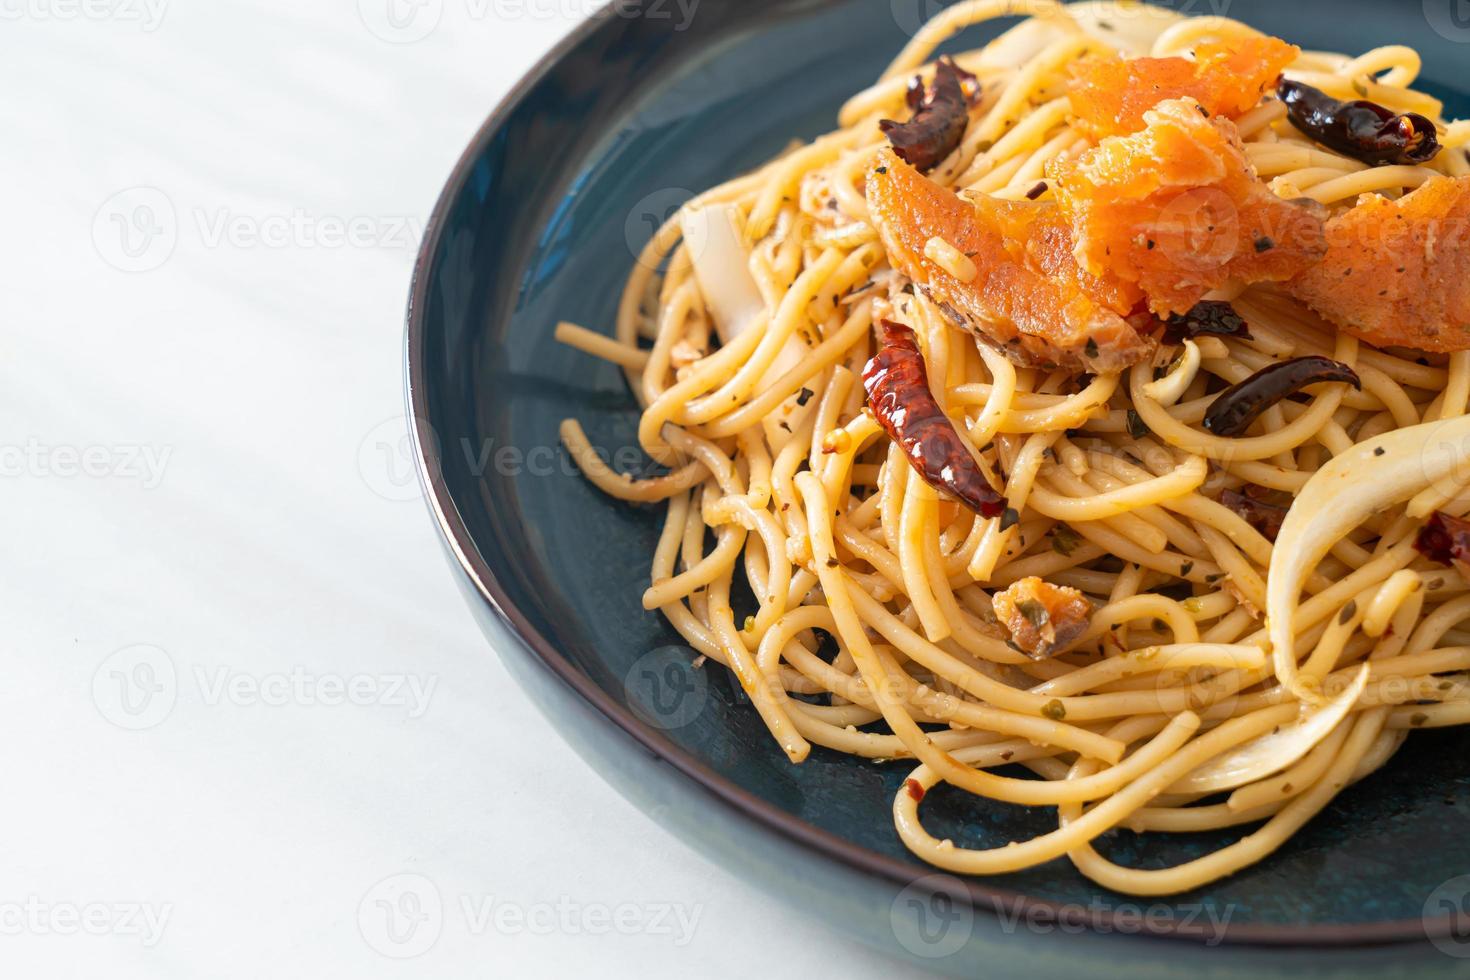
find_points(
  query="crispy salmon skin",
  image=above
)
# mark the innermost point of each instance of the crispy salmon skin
(1110, 95)
(1397, 273)
(1176, 210)
(1028, 297)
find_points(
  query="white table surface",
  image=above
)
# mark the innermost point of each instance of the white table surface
(220, 585)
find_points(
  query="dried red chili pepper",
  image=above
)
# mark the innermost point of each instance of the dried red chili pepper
(940, 117)
(1209, 316)
(1262, 515)
(897, 385)
(1239, 405)
(1363, 130)
(1445, 539)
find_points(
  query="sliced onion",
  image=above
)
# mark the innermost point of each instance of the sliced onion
(722, 268)
(1271, 753)
(1354, 485)
(716, 243)
(1171, 387)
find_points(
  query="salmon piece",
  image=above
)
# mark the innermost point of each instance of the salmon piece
(1110, 95)
(1176, 210)
(1043, 619)
(1029, 297)
(1397, 273)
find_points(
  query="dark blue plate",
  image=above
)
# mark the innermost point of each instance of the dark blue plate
(541, 220)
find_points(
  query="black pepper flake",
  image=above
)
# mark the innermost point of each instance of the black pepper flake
(1264, 244)
(1009, 519)
(1418, 718)
(1091, 348)
(880, 170)
(1348, 612)
(1151, 243)
(1379, 450)
(804, 395)
(1186, 568)
(1036, 191)
(1137, 427)
(783, 425)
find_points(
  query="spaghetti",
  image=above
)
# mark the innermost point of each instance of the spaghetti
(1176, 623)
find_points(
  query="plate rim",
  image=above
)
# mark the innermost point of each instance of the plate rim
(984, 898)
